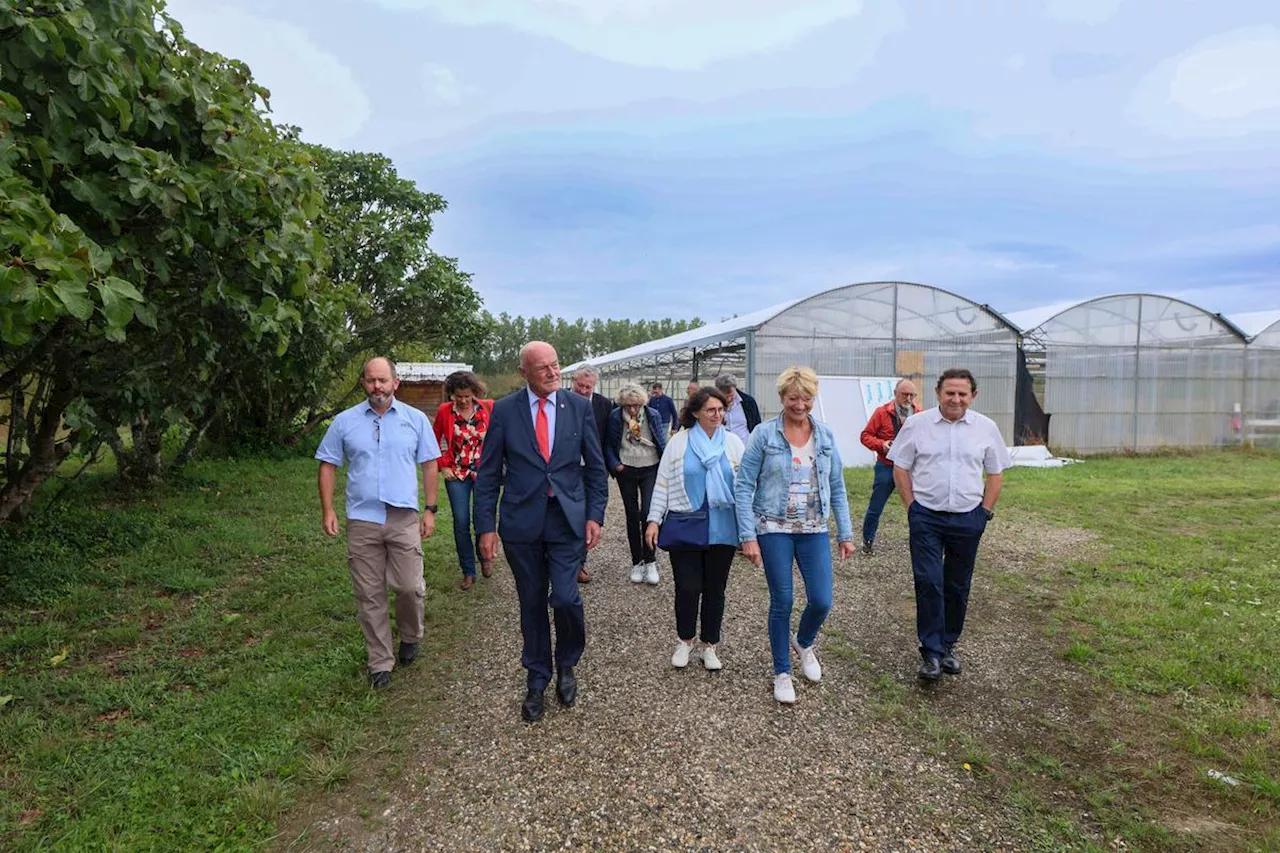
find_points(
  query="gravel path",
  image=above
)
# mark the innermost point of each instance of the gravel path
(653, 758)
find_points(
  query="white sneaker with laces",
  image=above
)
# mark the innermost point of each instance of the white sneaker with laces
(637, 573)
(681, 657)
(710, 659)
(651, 574)
(783, 690)
(808, 661)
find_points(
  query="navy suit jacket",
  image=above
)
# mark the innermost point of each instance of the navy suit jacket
(511, 463)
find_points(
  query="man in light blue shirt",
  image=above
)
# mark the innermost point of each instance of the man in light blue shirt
(384, 443)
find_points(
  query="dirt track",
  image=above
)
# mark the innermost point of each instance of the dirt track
(653, 758)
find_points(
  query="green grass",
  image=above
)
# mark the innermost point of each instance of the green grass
(1182, 604)
(214, 669)
(1175, 608)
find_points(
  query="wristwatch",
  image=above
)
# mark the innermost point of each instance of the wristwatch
(431, 508)
(991, 513)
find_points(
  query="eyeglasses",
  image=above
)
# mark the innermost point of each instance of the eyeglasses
(377, 430)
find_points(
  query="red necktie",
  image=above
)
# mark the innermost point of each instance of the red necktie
(542, 430)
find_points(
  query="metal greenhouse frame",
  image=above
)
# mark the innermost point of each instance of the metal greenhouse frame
(1139, 371)
(858, 330)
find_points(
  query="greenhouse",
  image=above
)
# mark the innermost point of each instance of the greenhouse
(1261, 424)
(1136, 372)
(857, 337)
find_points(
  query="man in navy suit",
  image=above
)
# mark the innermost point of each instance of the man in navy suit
(542, 451)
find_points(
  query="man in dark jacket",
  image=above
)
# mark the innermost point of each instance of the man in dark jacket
(742, 415)
(664, 406)
(552, 510)
(584, 385)
(878, 436)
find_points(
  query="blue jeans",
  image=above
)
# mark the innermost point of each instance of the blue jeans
(812, 551)
(468, 544)
(944, 546)
(881, 489)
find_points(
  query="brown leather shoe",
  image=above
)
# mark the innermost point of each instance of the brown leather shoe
(486, 568)
(467, 582)
(583, 577)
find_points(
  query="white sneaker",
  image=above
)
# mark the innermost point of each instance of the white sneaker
(710, 659)
(681, 657)
(651, 574)
(637, 573)
(783, 690)
(808, 661)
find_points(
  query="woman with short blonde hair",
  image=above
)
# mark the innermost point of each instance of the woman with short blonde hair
(790, 486)
(801, 380)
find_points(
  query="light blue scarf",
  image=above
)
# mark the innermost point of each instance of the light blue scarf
(709, 451)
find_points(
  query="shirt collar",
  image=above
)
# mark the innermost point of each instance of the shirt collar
(942, 419)
(533, 398)
(368, 407)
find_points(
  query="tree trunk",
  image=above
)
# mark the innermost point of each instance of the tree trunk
(145, 465)
(193, 441)
(320, 418)
(46, 452)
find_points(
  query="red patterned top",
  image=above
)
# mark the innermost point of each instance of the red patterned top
(461, 439)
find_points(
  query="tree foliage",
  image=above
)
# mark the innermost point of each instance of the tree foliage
(155, 235)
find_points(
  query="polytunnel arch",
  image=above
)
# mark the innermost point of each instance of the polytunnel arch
(852, 331)
(890, 328)
(1261, 425)
(1139, 371)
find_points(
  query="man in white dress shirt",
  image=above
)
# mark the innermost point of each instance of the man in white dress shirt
(939, 459)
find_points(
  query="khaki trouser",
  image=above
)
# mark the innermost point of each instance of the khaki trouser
(382, 557)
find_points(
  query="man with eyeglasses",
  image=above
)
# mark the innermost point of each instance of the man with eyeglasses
(384, 443)
(543, 466)
(883, 427)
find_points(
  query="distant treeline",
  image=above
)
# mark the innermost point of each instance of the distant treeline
(574, 340)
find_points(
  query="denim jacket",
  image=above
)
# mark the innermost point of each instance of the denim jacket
(763, 479)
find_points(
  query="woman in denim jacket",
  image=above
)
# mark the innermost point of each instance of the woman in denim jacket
(789, 486)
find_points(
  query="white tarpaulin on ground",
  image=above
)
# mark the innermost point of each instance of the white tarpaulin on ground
(1037, 456)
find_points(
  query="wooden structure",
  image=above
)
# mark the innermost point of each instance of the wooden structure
(422, 383)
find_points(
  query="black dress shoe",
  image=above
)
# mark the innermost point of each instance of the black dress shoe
(868, 548)
(931, 669)
(950, 665)
(379, 679)
(566, 687)
(408, 653)
(531, 708)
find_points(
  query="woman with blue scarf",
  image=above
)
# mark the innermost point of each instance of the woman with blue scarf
(697, 472)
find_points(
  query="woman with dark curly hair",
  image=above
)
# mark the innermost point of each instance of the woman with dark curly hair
(460, 426)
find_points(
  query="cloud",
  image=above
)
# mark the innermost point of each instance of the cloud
(1083, 11)
(310, 87)
(442, 83)
(1224, 86)
(672, 34)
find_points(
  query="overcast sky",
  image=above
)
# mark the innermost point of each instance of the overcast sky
(651, 158)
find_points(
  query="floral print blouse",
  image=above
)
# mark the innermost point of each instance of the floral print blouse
(467, 441)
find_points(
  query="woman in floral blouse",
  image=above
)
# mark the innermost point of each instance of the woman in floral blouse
(460, 426)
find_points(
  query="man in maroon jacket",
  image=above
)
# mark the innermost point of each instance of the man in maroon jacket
(878, 437)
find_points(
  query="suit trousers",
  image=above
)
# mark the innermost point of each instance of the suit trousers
(381, 557)
(551, 561)
(944, 547)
